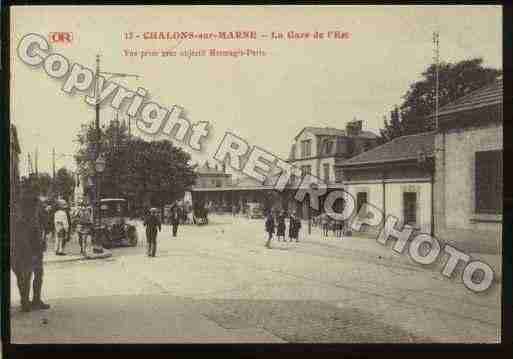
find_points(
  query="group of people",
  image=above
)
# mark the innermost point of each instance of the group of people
(328, 224)
(154, 226)
(275, 223)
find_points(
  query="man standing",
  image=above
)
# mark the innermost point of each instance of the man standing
(175, 220)
(269, 228)
(153, 226)
(61, 227)
(84, 226)
(22, 231)
(294, 227)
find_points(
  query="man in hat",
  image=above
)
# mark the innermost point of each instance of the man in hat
(84, 226)
(153, 226)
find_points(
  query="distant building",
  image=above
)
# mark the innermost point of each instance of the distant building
(469, 168)
(316, 150)
(212, 176)
(397, 178)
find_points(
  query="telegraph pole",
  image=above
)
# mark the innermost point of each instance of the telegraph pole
(53, 163)
(35, 155)
(436, 58)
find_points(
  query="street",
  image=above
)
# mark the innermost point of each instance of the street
(218, 284)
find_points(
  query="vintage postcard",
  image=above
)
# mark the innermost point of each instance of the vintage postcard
(256, 174)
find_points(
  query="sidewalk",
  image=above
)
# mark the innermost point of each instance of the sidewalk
(72, 250)
(121, 318)
(371, 249)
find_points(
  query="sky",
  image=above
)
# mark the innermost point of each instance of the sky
(266, 100)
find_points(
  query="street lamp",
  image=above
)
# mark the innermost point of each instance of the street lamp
(99, 165)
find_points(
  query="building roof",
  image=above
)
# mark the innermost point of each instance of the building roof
(485, 96)
(331, 131)
(399, 149)
(206, 169)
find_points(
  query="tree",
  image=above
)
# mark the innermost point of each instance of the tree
(393, 128)
(157, 172)
(64, 183)
(153, 173)
(40, 183)
(455, 81)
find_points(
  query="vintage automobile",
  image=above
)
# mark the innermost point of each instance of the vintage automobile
(254, 210)
(114, 230)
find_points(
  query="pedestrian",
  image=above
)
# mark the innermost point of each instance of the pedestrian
(153, 226)
(27, 252)
(84, 226)
(61, 227)
(175, 220)
(21, 251)
(280, 230)
(294, 227)
(325, 223)
(269, 228)
(338, 229)
(45, 221)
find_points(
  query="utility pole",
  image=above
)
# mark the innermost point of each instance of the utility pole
(436, 58)
(53, 163)
(35, 155)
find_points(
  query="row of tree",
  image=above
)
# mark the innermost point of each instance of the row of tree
(146, 173)
(62, 185)
(455, 81)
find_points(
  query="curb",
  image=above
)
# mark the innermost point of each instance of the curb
(77, 258)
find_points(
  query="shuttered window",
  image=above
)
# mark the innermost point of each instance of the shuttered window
(488, 182)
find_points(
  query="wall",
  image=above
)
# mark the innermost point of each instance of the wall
(331, 162)
(393, 205)
(455, 217)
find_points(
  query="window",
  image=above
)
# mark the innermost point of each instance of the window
(488, 182)
(339, 175)
(292, 179)
(306, 148)
(326, 171)
(328, 147)
(306, 170)
(361, 198)
(410, 208)
(219, 183)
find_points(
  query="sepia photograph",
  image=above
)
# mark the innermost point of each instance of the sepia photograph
(255, 174)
